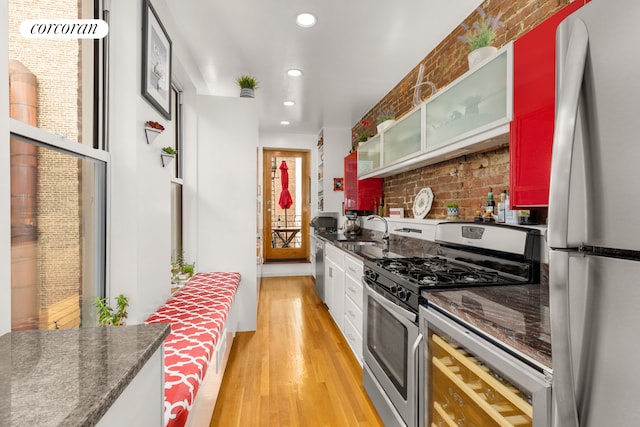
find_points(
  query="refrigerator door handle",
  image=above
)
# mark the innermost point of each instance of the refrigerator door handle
(563, 379)
(570, 85)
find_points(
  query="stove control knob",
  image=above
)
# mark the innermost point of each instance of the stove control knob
(402, 294)
(371, 275)
(393, 289)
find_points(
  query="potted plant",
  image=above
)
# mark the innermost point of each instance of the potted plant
(386, 119)
(480, 36)
(181, 270)
(452, 211)
(107, 316)
(248, 84)
(188, 269)
(361, 135)
(168, 153)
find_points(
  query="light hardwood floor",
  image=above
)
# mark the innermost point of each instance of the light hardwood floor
(296, 369)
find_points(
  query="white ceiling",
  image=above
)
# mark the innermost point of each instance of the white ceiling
(355, 54)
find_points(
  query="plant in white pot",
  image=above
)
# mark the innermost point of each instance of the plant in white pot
(480, 36)
(452, 211)
(248, 84)
(386, 119)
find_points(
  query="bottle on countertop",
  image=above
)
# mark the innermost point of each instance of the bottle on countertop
(490, 207)
(510, 216)
(381, 207)
(502, 206)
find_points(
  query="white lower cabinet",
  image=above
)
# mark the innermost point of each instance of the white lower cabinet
(334, 283)
(344, 295)
(353, 300)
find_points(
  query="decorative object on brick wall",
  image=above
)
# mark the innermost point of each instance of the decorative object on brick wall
(396, 212)
(480, 36)
(422, 203)
(152, 130)
(417, 89)
(156, 62)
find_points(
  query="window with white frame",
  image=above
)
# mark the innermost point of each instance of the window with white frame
(58, 174)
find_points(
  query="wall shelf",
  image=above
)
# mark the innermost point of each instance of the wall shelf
(152, 130)
(166, 158)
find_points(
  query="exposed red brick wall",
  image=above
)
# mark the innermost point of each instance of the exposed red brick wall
(465, 180)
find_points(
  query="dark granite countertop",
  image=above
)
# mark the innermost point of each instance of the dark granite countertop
(70, 377)
(515, 316)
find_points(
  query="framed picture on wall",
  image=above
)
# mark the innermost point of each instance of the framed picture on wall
(338, 184)
(156, 61)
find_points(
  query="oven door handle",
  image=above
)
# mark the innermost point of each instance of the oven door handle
(390, 306)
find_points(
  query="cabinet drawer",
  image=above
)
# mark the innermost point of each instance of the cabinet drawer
(353, 267)
(353, 313)
(334, 254)
(353, 338)
(353, 290)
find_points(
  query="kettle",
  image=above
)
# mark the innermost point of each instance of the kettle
(352, 225)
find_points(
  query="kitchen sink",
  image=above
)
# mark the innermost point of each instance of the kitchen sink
(357, 245)
(357, 242)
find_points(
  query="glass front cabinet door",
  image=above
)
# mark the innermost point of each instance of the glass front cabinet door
(478, 101)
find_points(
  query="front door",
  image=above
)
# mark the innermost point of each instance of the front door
(287, 203)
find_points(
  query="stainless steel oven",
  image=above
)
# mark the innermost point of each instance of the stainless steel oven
(468, 255)
(391, 357)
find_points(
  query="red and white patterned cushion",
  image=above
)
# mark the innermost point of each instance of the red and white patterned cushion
(197, 314)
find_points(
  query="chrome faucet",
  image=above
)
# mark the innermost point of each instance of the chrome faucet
(385, 236)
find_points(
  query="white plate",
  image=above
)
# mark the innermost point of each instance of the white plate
(422, 203)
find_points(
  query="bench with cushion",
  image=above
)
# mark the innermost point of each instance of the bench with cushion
(197, 314)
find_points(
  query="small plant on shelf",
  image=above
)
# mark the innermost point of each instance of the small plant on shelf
(189, 269)
(386, 114)
(107, 316)
(247, 82)
(181, 270)
(154, 125)
(452, 211)
(482, 32)
(169, 150)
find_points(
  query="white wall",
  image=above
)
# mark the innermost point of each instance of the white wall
(139, 209)
(337, 142)
(5, 197)
(226, 194)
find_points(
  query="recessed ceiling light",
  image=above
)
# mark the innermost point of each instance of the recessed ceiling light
(288, 103)
(294, 72)
(285, 122)
(306, 20)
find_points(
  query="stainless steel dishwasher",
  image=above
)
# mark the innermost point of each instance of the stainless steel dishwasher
(320, 268)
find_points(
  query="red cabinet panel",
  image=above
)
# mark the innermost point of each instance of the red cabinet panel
(359, 195)
(531, 140)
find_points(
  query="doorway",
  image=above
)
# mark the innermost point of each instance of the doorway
(287, 201)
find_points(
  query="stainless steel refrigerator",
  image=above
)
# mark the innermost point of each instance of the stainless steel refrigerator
(594, 210)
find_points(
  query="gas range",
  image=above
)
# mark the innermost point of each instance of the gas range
(468, 255)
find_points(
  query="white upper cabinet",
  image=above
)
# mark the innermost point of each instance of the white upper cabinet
(462, 118)
(403, 139)
(369, 156)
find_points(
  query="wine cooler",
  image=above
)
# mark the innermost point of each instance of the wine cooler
(472, 382)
